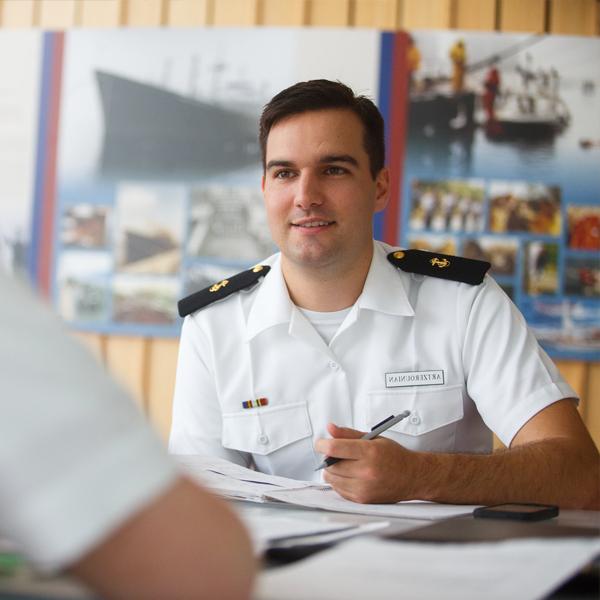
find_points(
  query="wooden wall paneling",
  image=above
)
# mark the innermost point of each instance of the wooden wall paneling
(126, 360)
(426, 14)
(162, 363)
(592, 408)
(382, 14)
(592, 404)
(104, 13)
(276, 12)
(328, 13)
(144, 13)
(475, 14)
(516, 15)
(235, 12)
(59, 14)
(574, 17)
(19, 13)
(94, 342)
(576, 376)
(187, 13)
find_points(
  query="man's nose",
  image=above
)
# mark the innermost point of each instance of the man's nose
(308, 192)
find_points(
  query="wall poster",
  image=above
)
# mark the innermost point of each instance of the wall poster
(158, 171)
(501, 163)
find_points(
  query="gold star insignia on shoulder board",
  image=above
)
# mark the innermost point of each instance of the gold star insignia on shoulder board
(443, 266)
(221, 289)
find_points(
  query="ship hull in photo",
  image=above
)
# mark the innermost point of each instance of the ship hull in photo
(151, 132)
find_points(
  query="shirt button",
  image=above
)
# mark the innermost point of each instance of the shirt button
(263, 439)
(415, 420)
(333, 365)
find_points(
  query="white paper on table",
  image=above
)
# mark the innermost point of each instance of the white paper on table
(332, 537)
(328, 499)
(233, 481)
(265, 530)
(370, 568)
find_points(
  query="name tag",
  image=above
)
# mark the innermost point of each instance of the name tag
(412, 378)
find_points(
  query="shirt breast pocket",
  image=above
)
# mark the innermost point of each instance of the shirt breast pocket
(434, 415)
(278, 437)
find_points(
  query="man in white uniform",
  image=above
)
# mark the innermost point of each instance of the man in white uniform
(85, 484)
(337, 328)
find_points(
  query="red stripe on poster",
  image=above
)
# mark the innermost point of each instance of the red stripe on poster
(398, 128)
(49, 193)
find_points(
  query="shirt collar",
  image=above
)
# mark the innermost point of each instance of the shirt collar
(272, 304)
(384, 290)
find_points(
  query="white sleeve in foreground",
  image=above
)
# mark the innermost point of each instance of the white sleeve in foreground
(77, 458)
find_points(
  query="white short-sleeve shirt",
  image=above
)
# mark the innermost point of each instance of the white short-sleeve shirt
(459, 357)
(76, 456)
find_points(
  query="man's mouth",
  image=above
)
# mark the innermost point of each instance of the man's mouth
(309, 224)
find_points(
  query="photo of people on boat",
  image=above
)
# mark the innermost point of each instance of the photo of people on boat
(484, 103)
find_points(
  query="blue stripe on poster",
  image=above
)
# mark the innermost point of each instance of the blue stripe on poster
(385, 90)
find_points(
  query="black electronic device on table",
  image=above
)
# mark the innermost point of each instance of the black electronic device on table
(518, 512)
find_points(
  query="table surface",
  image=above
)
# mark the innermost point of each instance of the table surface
(28, 586)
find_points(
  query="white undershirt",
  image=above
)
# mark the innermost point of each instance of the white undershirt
(326, 323)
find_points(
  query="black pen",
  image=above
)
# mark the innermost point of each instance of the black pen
(377, 430)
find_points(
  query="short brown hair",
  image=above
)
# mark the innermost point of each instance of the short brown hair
(320, 94)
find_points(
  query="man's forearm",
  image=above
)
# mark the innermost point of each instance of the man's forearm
(552, 471)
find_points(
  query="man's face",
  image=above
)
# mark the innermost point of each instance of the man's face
(319, 194)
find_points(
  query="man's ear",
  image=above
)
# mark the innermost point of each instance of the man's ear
(262, 183)
(382, 189)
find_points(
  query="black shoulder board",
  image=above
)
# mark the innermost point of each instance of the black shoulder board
(221, 290)
(444, 266)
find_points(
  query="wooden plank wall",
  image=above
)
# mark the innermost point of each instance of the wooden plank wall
(147, 366)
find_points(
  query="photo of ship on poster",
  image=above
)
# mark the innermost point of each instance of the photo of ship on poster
(151, 132)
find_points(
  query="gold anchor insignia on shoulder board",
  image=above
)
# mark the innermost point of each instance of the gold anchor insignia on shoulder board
(399, 254)
(257, 269)
(442, 263)
(218, 286)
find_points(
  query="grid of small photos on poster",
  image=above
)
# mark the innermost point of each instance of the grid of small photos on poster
(540, 249)
(139, 246)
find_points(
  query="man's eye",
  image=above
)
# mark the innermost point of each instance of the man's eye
(335, 170)
(283, 174)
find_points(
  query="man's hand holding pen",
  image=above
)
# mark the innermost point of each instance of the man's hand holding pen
(373, 471)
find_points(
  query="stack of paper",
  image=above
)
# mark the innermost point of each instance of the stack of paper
(233, 481)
